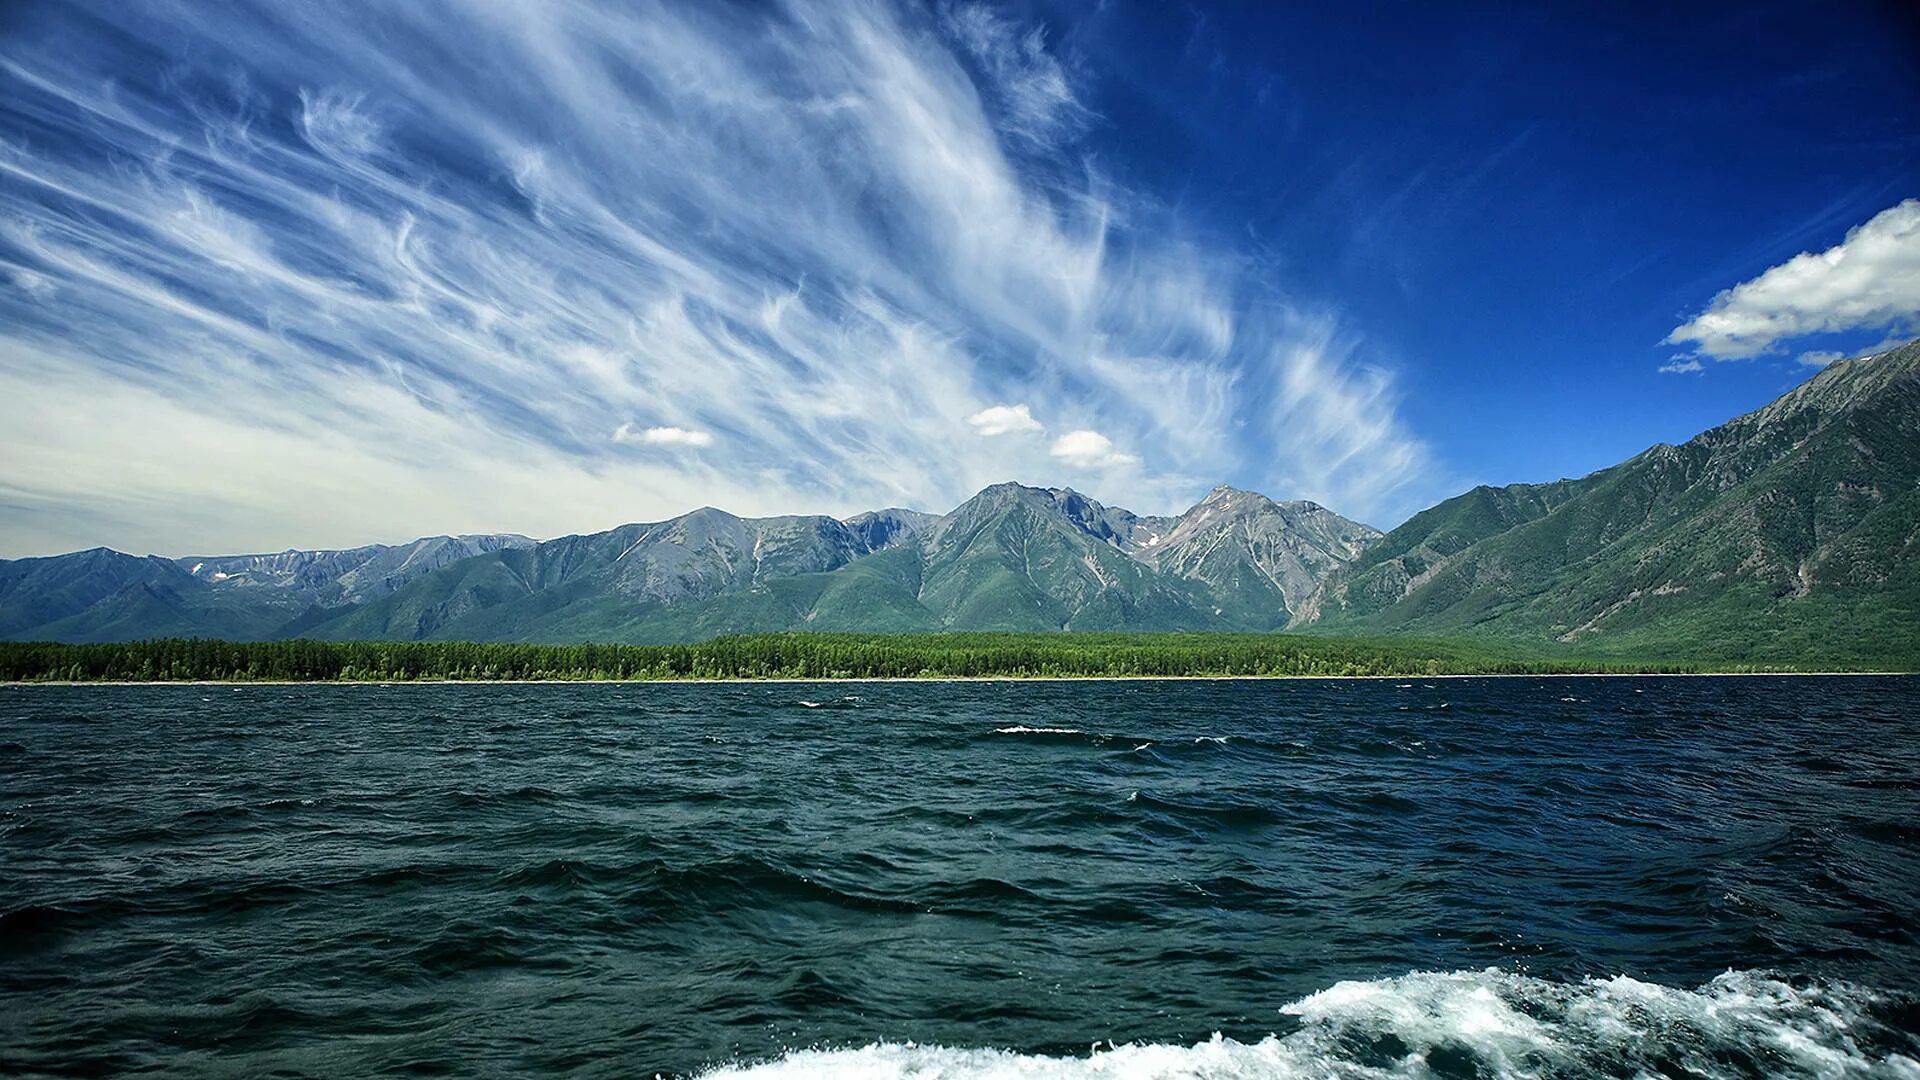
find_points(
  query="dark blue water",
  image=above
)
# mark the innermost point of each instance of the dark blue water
(1558, 877)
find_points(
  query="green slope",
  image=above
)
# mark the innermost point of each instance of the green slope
(1789, 533)
(1008, 559)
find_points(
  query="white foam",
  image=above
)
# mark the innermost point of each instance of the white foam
(1022, 729)
(1510, 1025)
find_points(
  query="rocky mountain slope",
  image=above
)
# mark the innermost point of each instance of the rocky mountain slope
(1790, 532)
(1260, 559)
(1010, 558)
(331, 578)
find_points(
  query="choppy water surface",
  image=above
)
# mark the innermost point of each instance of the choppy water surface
(1556, 877)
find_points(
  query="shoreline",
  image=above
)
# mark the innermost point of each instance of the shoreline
(777, 680)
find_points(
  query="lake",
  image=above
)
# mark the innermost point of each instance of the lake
(1448, 877)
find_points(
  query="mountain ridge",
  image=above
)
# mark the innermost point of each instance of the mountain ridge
(1790, 531)
(1011, 557)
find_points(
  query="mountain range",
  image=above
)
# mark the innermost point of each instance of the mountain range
(1790, 533)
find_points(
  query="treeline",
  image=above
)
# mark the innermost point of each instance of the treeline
(781, 656)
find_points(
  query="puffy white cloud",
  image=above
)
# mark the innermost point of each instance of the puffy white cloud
(662, 436)
(1004, 420)
(1088, 449)
(1869, 280)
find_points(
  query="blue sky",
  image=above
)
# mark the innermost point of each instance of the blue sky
(318, 275)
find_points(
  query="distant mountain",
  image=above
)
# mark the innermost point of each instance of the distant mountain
(1021, 558)
(1792, 532)
(882, 529)
(332, 578)
(1260, 559)
(103, 595)
(1010, 558)
(614, 585)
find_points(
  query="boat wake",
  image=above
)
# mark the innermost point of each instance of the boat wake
(1488, 1023)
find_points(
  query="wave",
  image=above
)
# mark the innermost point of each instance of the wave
(1022, 729)
(1488, 1023)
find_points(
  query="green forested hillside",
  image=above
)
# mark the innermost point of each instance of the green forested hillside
(1790, 533)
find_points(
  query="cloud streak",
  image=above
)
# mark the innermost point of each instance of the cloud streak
(328, 280)
(662, 436)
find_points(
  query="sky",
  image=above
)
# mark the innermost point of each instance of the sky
(316, 275)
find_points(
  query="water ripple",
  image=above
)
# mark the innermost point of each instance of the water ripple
(965, 879)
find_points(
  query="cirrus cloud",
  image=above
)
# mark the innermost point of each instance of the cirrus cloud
(845, 237)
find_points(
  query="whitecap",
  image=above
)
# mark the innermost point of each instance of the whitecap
(1741, 1024)
(1022, 729)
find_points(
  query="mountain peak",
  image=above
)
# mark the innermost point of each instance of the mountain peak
(1839, 387)
(890, 527)
(1226, 495)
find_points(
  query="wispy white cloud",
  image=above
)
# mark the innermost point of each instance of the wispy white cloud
(1088, 449)
(820, 242)
(1328, 422)
(36, 286)
(1004, 420)
(1029, 82)
(1868, 281)
(1682, 365)
(662, 436)
(1814, 358)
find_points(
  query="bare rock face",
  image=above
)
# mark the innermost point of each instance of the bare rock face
(351, 575)
(879, 530)
(1257, 556)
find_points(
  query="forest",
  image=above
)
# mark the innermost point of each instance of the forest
(798, 656)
